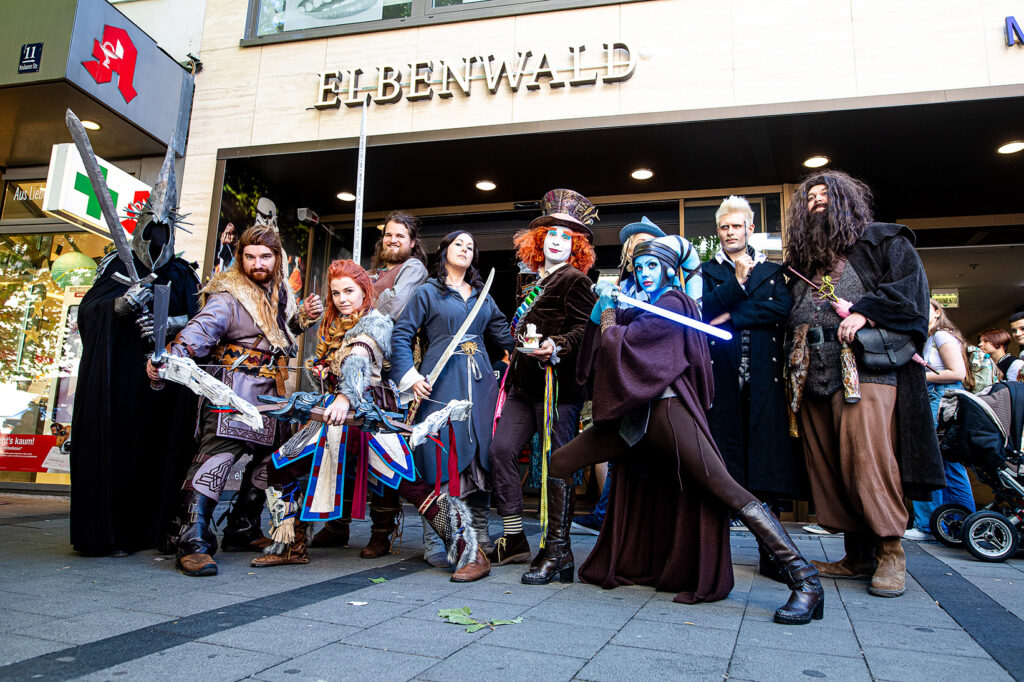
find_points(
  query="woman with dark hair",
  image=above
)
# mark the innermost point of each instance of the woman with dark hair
(439, 308)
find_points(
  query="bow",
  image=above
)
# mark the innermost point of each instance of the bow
(184, 371)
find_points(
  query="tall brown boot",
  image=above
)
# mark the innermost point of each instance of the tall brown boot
(890, 578)
(295, 553)
(555, 559)
(452, 520)
(384, 511)
(859, 562)
(333, 534)
(807, 600)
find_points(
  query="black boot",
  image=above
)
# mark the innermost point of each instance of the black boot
(334, 534)
(808, 598)
(555, 559)
(244, 532)
(196, 543)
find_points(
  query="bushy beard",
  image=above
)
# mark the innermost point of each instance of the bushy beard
(393, 257)
(260, 276)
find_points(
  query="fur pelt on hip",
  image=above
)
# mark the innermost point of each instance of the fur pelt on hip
(254, 299)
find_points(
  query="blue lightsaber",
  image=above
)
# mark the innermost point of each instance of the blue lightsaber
(620, 297)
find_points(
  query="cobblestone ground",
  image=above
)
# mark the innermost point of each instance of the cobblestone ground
(65, 617)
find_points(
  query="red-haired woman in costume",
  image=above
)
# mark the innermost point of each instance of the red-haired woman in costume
(557, 246)
(354, 340)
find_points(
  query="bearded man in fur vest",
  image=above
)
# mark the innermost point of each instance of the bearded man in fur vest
(247, 325)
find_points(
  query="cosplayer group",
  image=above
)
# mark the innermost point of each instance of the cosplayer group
(698, 430)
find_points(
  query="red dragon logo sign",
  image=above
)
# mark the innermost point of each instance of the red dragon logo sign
(116, 54)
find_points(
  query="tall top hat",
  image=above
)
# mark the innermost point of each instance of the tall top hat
(569, 209)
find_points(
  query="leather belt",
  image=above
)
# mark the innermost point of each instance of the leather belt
(819, 335)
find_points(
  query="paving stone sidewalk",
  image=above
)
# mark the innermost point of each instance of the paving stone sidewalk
(67, 617)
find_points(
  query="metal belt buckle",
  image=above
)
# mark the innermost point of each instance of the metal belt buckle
(469, 348)
(815, 336)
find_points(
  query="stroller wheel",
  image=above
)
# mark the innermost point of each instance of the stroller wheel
(947, 523)
(990, 536)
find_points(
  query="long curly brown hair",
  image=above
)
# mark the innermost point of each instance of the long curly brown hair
(530, 249)
(814, 243)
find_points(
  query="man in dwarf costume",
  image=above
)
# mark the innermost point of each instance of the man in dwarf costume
(247, 326)
(399, 266)
(557, 245)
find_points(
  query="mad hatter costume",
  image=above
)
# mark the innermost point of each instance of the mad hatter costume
(540, 393)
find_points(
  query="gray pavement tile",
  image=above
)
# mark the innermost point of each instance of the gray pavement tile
(700, 615)
(815, 637)
(504, 593)
(481, 610)
(573, 611)
(13, 621)
(615, 663)
(18, 647)
(735, 600)
(337, 610)
(194, 627)
(928, 616)
(578, 640)
(179, 602)
(347, 662)
(759, 663)
(436, 639)
(918, 638)
(67, 603)
(93, 626)
(405, 591)
(478, 661)
(290, 636)
(675, 638)
(620, 595)
(889, 664)
(190, 662)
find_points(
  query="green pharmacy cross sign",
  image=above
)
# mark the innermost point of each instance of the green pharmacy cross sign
(83, 185)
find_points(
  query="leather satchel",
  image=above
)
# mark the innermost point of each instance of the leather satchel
(883, 349)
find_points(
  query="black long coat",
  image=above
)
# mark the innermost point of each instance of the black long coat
(768, 465)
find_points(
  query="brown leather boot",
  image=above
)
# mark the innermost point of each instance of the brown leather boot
(378, 546)
(296, 553)
(510, 549)
(555, 558)
(384, 511)
(859, 562)
(197, 565)
(890, 578)
(478, 568)
(334, 534)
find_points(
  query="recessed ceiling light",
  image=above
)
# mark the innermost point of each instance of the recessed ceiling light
(1011, 147)
(346, 196)
(816, 161)
(485, 185)
(91, 125)
(642, 174)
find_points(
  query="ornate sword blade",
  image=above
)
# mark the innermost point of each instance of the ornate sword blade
(161, 302)
(675, 317)
(99, 188)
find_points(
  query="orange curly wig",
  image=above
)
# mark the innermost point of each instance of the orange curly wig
(530, 249)
(352, 270)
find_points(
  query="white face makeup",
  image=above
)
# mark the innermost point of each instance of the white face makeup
(557, 246)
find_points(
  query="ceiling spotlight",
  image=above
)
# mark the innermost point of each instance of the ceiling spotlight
(1011, 147)
(346, 196)
(485, 185)
(816, 161)
(91, 125)
(642, 174)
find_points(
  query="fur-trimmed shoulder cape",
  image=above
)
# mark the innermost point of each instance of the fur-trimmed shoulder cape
(262, 308)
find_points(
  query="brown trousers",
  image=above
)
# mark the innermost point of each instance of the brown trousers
(850, 451)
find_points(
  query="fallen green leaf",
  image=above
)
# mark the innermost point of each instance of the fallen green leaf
(378, 580)
(508, 622)
(476, 626)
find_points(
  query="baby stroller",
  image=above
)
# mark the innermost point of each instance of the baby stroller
(983, 432)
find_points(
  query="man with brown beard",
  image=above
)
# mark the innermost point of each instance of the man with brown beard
(862, 456)
(247, 327)
(399, 267)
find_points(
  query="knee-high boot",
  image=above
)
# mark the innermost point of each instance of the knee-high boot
(243, 532)
(451, 518)
(808, 598)
(384, 511)
(555, 559)
(196, 542)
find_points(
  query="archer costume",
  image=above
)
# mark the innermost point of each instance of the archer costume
(440, 310)
(125, 481)
(250, 334)
(667, 522)
(863, 458)
(350, 355)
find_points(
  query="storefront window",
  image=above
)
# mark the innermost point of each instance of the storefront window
(277, 16)
(23, 199)
(43, 278)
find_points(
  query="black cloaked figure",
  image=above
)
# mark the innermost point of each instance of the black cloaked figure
(130, 444)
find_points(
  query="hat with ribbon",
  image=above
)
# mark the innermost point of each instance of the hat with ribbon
(645, 226)
(569, 209)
